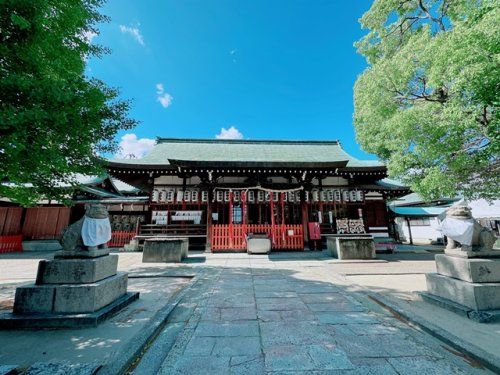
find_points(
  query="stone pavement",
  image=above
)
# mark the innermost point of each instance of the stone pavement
(283, 313)
(287, 313)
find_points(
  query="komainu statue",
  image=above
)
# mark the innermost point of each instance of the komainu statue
(91, 232)
(464, 233)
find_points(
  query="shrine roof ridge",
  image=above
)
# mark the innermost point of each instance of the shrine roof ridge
(249, 141)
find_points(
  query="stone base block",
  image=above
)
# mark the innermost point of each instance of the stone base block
(76, 271)
(50, 320)
(81, 254)
(184, 245)
(69, 298)
(480, 316)
(472, 253)
(474, 270)
(473, 295)
(34, 298)
(351, 247)
(164, 250)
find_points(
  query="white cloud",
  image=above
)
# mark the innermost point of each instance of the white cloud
(164, 98)
(231, 133)
(133, 147)
(134, 32)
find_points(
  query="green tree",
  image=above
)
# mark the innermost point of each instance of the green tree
(54, 120)
(428, 102)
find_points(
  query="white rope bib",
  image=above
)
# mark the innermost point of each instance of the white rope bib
(95, 232)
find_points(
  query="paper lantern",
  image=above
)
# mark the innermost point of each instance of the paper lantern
(251, 196)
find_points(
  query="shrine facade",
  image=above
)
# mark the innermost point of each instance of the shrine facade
(217, 192)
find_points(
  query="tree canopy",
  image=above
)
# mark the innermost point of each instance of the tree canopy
(54, 120)
(428, 102)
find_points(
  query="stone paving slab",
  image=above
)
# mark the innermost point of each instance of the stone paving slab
(341, 306)
(346, 318)
(222, 329)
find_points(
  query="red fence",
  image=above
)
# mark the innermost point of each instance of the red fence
(233, 237)
(10, 220)
(45, 222)
(120, 239)
(9, 244)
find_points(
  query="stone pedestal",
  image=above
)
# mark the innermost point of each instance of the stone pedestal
(73, 290)
(345, 247)
(468, 283)
(165, 250)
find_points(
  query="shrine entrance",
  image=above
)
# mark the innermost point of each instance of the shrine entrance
(264, 211)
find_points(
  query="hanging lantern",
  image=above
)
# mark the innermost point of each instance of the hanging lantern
(323, 196)
(337, 195)
(360, 195)
(345, 195)
(180, 196)
(204, 196)
(352, 196)
(315, 195)
(194, 196)
(155, 196)
(330, 195)
(169, 195)
(236, 196)
(260, 196)
(219, 195)
(251, 196)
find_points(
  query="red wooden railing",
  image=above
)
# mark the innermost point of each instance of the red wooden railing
(9, 244)
(233, 237)
(121, 238)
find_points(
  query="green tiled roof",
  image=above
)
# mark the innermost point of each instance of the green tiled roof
(238, 151)
(418, 211)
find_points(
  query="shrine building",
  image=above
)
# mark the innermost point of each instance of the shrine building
(216, 192)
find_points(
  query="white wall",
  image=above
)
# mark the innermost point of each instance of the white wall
(420, 234)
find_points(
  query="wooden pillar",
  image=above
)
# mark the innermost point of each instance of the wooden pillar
(320, 214)
(231, 232)
(244, 207)
(282, 201)
(283, 237)
(183, 191)
(271, 205)
(208, 244)
(305, 215)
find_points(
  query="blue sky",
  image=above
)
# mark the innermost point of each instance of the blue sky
(274, 69)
